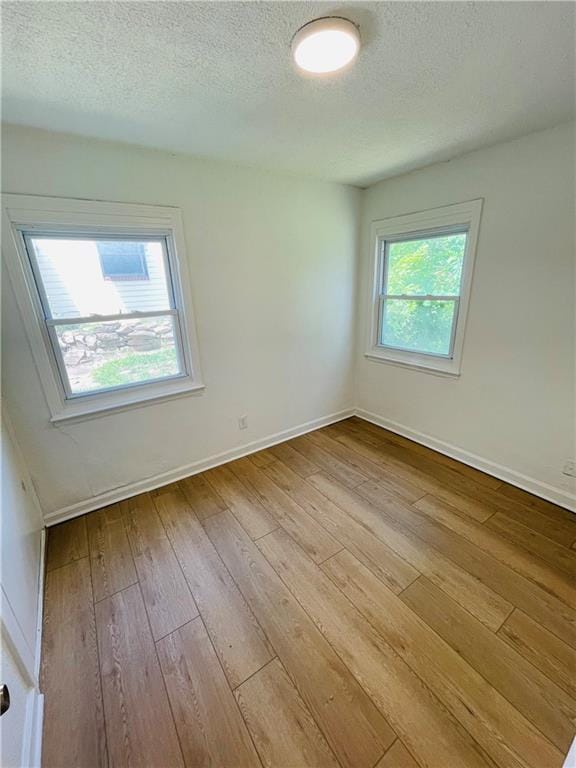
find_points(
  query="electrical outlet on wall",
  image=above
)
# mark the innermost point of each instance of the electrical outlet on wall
(243, 422)
(570, 468)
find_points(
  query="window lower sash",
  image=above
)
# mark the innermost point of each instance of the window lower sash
(95, 341)
(382, 344)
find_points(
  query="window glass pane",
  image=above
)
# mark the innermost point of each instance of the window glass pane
(85, 276)
(431, 266)
(118, 352)
(417, 326)
(122, 260)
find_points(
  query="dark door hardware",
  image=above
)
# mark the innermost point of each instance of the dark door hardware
(4, 699)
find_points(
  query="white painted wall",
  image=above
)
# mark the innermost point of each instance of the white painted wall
(272, 259)
(514, 403)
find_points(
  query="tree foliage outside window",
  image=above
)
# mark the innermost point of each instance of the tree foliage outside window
(430, 267)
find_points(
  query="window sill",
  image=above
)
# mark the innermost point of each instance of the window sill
(449, 371)
(80, 410)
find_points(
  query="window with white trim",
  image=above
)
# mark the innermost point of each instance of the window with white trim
(421, 286)
(105, 293)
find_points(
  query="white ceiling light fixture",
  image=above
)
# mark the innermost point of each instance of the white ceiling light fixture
(326, 45)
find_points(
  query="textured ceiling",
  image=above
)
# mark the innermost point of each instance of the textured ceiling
(216, 79)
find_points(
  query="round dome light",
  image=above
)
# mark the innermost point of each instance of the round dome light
(326, 45)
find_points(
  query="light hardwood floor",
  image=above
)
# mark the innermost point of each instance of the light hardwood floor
(347, 598)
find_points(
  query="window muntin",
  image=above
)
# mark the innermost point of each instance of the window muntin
(106, 335)
(419, 293)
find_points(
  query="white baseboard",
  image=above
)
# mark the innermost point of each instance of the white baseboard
(538, 488)
(150, 483)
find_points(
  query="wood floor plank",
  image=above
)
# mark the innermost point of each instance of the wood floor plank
(209, 724)
(73, 715)
(293, 459)
(501, 549)
(167, 598)
(66, 542)
(543, 703)
(397, 757)
(474, 474)
(110, 556)
(560, 558)
(374, 553)
(354, 728)
(399, 471)
(542, 505)
(543, 649)
(237, 637)
(450, 480)
(471, 594)
(139, 723)
(466, 495)
(372, 471)
(262, 458)
(201, 496)
(284, 731)
(243, 504)
(408, 485)
(414, 713)
(346, 474)
(516, 589)
(500, 729)
(560, 530)
(312, 537)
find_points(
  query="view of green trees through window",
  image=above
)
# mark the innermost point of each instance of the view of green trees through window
(432, 268)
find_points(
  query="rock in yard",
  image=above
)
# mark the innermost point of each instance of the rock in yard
(142, 341)
(108, 340)
(67, 337)
(75, 356)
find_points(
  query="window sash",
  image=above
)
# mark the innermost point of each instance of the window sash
(52, 234)
(61, 365)
(385, 242)
(380, 315)
(51, 323)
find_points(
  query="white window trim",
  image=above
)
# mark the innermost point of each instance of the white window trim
(465, 216)
(26, 213)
